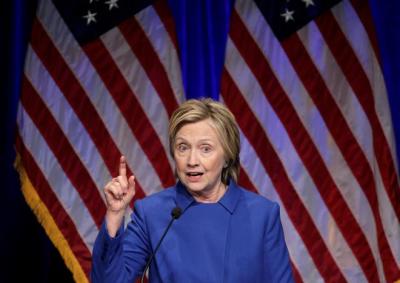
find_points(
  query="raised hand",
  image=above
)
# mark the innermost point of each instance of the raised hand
(119, 193)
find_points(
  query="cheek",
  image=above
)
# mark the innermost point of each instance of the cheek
(179, 164)
(215, 164)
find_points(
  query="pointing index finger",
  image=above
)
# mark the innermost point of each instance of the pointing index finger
(122, 166)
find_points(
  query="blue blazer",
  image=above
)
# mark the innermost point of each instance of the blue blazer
(238, 239)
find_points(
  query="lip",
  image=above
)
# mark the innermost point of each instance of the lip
(195, 178)
(194, 172)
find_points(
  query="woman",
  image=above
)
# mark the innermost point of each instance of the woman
(223, 233)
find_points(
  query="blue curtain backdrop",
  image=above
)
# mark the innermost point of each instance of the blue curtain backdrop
(387, 22)
(26, 253)
(202, 27)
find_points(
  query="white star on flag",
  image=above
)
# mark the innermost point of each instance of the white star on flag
(112, 4)
(288, 15)
(308, 2)
(90, 17)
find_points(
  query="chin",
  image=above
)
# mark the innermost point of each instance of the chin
(195, 187)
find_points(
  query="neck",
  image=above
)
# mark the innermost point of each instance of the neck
(212, 196)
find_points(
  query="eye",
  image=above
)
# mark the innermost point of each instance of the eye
(182, 147)
(206, 148)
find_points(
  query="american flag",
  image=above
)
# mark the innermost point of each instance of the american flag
(304, 81)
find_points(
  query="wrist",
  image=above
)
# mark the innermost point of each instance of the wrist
(114, 221)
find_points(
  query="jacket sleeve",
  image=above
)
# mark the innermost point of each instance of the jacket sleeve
(122, 258)
(276, 257)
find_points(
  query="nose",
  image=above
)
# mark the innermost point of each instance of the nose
(192, 159)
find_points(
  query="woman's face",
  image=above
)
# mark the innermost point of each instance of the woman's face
(199, 159)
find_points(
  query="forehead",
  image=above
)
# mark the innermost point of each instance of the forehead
(204, 128)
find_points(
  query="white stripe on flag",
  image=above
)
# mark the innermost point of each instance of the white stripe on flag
(100, 97)
(294, 167)
(67, 120)
(357, 36)
(297, 250)
(390, 222)
(58, 181)
(358, 122)
(164, 47)
(139, 82)
(338, 86)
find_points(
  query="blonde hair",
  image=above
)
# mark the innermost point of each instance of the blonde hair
(196, 110)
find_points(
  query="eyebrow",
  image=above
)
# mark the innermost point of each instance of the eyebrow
(201, 140)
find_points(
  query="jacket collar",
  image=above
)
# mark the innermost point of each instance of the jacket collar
(229, 200)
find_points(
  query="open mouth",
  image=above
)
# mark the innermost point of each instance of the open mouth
(193, 174)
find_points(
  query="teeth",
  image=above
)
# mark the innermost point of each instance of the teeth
(194, 174)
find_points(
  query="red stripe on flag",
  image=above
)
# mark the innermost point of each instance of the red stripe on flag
(305, 147)
(77, 98)
(299, 215)
(164, 13)
(63, 151)
(244, 181)
(148, 58)
(296, 275)
(359, 82)
(364, 12)
(130, 109)
(341, 132)
(60, 216)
